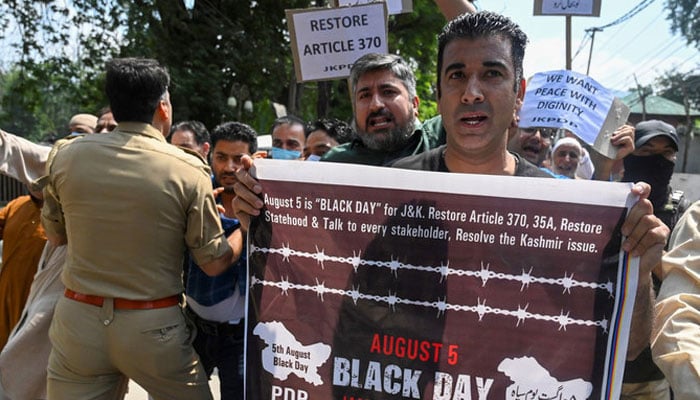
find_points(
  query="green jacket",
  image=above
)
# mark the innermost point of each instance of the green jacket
(428, 135)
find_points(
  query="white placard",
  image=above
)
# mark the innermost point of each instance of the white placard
(588, 8)
(326, 42)
(568, 100)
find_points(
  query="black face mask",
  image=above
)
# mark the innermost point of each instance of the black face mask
(655, 170)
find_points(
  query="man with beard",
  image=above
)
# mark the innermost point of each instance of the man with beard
(653, 161)
(533, 144)
(386, 114)
(217, 304)
(386, 107)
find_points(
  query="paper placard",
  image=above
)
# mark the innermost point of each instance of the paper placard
(326, 42)
(569, 100)
(580, 8)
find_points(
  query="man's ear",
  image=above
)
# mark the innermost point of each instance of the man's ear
(416, 103)
(521, 90)
(162, 110)
(518, 104)
(205, 149)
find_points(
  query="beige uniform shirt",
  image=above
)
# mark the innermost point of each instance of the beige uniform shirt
(676, 336)
(130, 205)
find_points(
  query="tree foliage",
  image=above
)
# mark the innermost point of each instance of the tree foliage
(216, 51)
(685, 18)
(681, 88)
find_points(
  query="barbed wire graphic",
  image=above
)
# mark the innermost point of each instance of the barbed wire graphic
(480, 308)
(483, 273)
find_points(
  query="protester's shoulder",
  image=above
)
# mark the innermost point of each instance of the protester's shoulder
(63, 144)
(184, 156)
(688, 226)
(693, 212)
(146, 137)
(425, 161)
(432, 126)
(528, 169)
(345, 152)
(433, 131)
(193, 153)
(336, 152)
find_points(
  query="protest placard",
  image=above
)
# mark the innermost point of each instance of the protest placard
(327, 41)
(381, 283)
(581, 8)
(569, 100)
(394, 6)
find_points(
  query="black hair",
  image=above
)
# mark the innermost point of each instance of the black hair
(198, 129)
(287, 120)
(134, 86)
(481, 25)
(234, 132)
(339, 130)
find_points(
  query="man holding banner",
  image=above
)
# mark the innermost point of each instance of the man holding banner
(480, 89)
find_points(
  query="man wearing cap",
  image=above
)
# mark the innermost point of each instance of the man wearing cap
(82, 124)
(653, 161)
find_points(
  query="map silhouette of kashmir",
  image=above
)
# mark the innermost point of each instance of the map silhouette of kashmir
(284, 355)
(532, 381)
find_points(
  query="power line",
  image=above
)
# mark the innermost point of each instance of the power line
(633, 37)
(592, 31)
(629, 14)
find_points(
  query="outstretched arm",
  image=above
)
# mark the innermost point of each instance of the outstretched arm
(453, 8)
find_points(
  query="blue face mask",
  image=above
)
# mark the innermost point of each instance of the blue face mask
(278, 153)
(313, 157)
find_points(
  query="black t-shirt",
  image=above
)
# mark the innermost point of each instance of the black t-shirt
(434, 160)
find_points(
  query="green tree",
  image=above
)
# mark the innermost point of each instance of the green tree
(680, 87)
(46, 83)
(685, 18)
(216, 50)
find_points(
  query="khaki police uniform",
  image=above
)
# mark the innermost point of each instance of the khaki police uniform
(130, 205)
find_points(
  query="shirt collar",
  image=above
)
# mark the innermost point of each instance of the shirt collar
(140, 128)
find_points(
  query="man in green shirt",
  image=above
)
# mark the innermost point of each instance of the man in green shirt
(386, 114)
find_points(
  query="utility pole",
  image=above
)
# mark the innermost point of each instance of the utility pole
(688, 124)
(590, 51)
(568, 42)
(643, 93)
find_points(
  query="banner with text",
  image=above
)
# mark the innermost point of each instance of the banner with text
(381, 283)
(569, 100)
(393, 6)
(327, 41)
